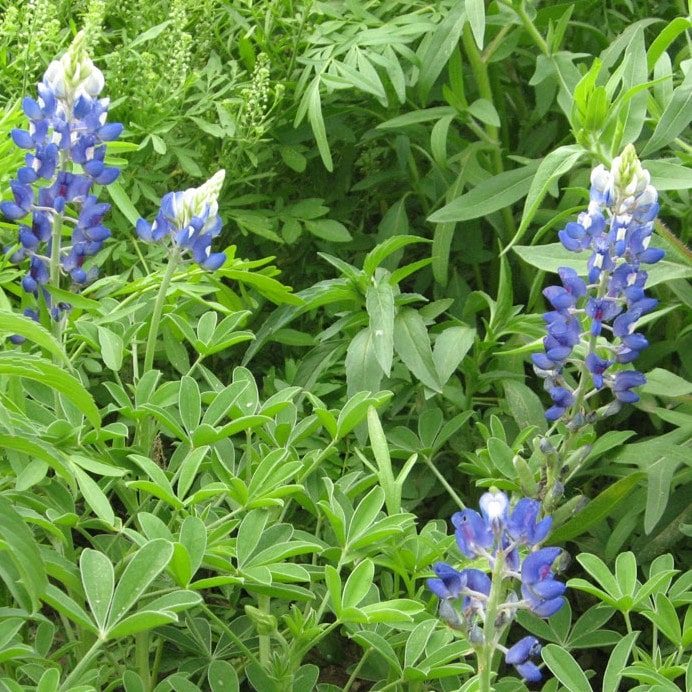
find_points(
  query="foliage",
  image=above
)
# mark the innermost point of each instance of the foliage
(236, 473)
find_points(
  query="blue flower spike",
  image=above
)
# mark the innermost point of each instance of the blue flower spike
(65, 159)
(188, 221)
(510, 539)
(616, 229)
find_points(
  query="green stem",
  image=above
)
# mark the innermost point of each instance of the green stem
(173, 260)
(482, 78)
(531, 29)
(444, 483)
(82, 665)
(142, 640)
(231, 634)
(264, 641)
(487, 651)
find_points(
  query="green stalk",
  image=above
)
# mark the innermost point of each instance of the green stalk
(173, 260)
(142, 658)
(531, 29)
(482, 79)
(487, 651)
(81, 666)
(264, 641)
(443, 482)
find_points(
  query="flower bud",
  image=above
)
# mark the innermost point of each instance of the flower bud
(494, 505)
(264, 622)
(629, 178)
(201, 202)
(74, 74)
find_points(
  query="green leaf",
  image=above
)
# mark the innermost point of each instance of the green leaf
(189, 467)
(249, 533)
(385, 474)
(10, 324)
(626, 573)
(222, 677)
(149, 34)
(660, 475)
(475, 11)
(524, 405)
(40, 370)
(555, 164)
(123, 202)
(363, 370)
(98, 579)
(330, 230)
(598, 509)
(435, 52)
(190, 403)
(358, 584)
(396, 610)
(193, 535)
(333, 582)
(418, 640)
(451, 347)
(18, 545)
(675, 118)
(565, 668)
(633, 110)
(365, 513)
(666, 384)
(66, 606)
(356, 409)
(112, 348)
(140, 622)
(94, 496)
(379, 303)
(665, 38)
(491, 195)
(667, 175)
(382, 250)
(314, 108)
(149, 561)
(600, 572)
(412, 344)
(376, 642)
(484, 111)
(415, 117)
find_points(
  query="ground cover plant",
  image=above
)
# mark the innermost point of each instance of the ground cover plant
(345, 345)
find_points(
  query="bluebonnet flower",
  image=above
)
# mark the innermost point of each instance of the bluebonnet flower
(467, 597)
(519, 656)
(616, 229)
(189, 220)
(543, 593)
(66, 148)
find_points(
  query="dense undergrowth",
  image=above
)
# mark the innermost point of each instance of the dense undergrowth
(348, 271)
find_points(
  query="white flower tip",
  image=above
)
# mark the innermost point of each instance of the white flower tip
(494, 504)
